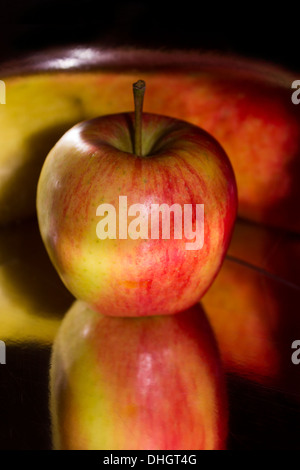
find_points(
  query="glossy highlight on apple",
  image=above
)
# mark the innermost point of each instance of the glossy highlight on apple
(147, 220)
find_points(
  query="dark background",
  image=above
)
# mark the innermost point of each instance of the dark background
(244, 29)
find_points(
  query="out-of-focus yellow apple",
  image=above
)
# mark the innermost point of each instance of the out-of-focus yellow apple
(33, 300)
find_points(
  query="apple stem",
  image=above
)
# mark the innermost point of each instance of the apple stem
(138, 94)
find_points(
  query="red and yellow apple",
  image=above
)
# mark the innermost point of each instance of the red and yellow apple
(151, 383)
(245, 104)
(93, 164)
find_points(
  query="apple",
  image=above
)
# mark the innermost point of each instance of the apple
(151, 383)
(135, 266)
(245, 104)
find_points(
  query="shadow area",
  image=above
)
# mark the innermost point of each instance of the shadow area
(18, 193)
(33, 299)
(25, 421)
(261, 418)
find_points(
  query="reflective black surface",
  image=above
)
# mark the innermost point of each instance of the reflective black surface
(263, 388)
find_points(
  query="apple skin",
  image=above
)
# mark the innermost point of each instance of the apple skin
(245, 104)
(151, 383)
(93, 164)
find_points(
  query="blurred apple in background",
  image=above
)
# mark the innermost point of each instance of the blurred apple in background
(33, 300)
(141, 274)
(245, 104)
(152, 383)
